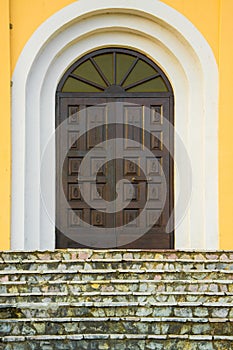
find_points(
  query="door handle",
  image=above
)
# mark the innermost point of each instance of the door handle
(135, 180)
(86, 179)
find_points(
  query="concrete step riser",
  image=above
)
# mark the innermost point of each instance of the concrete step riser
(108, 265)
(53, 310)
(120, 298)
(87, 254)
(113, 344)
(136, 326)
(154, 286)
(37, 276)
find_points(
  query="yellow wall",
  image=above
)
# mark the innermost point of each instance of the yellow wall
(226, 125)
(5, 131)
(204, 14)
(213, 18)
(26, 16)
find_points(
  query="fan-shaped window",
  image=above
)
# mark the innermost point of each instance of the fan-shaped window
(114, 70)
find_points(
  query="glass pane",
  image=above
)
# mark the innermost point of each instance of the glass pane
(123, 63)
(73, 85)
(105, 62)
(141, 70)
(88, 71)
(154, 85)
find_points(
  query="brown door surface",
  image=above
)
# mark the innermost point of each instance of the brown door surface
(142, 120)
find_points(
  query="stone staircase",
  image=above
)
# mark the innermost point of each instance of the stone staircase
(116, 299)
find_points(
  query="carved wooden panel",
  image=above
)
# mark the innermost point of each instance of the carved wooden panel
(73, 114)
(74, 192)
(131, 217)
(154, 166)
(156, 115)
(131, 166)
(97, 218)
(74, 217)
(97, 191)
(96, 118)
(156, 140)
(155, 192)
(133, 123)
(131, 192)
(73, 165)
(97, 167)
(73, 141)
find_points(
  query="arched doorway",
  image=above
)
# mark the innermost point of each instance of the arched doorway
(102, 86)
(158, 31)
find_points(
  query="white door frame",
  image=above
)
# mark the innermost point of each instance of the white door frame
(157, 31)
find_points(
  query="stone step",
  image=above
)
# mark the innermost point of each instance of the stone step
(127, 254)
(113, 325)
(120, 274)
(108, 264)
(116, 342)
(116, 299)
(114, 285)
(148, 308)
(72, 296)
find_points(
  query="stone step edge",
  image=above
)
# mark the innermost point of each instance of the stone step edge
(45, 305)
(118, 319)
(108, 271)
(117, 281)
(44, 294)
(114, 336)
(133, 260)
(117, 250)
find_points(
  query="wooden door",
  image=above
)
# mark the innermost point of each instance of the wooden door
(141, 120)
(123, 96)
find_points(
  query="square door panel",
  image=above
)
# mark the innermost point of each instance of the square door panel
(73, 165)
(73, 114)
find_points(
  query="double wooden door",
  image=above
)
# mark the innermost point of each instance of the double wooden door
(129, 127)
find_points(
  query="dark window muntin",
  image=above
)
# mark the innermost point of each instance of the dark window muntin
(109, 88)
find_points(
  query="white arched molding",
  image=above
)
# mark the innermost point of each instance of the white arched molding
(159, 32)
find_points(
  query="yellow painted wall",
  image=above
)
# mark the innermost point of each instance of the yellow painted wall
(204, 14)
(226, 125)
(5, 131)
(213, 18)
(26, 17)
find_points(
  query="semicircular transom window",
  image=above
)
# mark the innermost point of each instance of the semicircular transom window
(114, 70)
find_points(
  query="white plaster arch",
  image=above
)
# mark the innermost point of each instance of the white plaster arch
(171, 41)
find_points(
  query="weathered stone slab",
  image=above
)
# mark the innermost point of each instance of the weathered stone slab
(116, 299)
